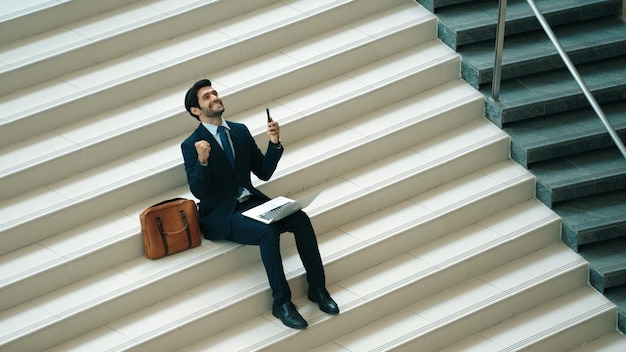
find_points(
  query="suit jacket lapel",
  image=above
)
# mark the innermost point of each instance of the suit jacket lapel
(216, 150)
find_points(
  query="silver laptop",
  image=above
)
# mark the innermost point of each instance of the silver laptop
(278, 208)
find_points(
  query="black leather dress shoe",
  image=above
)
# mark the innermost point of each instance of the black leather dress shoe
(323, 300)
(288, 314)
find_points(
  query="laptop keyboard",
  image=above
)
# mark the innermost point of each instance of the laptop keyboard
(268, 215)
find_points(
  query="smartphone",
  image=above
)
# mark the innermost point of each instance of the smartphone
(267, 111)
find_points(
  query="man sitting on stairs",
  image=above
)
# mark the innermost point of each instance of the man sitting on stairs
(219, 157)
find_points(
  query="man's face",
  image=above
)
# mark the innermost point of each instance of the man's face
(210, 103)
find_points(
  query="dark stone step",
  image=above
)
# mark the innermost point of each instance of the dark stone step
(533, 52)
(579, 175)
(476, 21)
(565, 133)
(556, 91)
(593, 219)
(617, 295)
(608, 263)
(434, 5)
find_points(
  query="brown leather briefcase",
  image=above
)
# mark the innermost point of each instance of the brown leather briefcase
(170, 227)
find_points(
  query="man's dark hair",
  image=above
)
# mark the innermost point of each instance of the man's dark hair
(191, 98)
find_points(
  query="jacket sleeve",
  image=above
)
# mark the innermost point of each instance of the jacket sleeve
(263, 166)
(198, 176)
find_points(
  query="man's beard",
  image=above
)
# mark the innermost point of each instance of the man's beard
(213, 113)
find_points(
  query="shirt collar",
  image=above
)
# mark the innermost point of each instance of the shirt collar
(213, 128)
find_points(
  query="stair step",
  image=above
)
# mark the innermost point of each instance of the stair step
(608, 263)
(433, 5)
(611, 342)
(149, 70)
(556, 91)
(558, 325)
(402, 122)
(112, 134)
(565, 133)
(158, 168)
(100, 37)
(579, 175)
(346, 198)
(471, 306)
(617, 295)
(355, 291)
(476, 21)
(593, 219)
(22, 19)
(533, 52)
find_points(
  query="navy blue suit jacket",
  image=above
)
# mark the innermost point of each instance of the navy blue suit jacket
(216, 184)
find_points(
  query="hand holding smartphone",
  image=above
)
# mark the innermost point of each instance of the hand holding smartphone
(273, 129)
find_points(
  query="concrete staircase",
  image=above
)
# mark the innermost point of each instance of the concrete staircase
(554, 132)
(431, 235)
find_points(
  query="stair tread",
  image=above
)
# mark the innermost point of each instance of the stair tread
(506, 174)
(607, 257)
(556, 91)
(96, 236)
(580, 175)
(567, 172)
(459, 302)
(594, 218)
(166, 155)
(611, 342)
(352, 291)
(36, 16)
(74, 140)
(101, 36)
(457, 28)
(158, 60)
(564, 133)
(421, 200)
(533, 52)
(544, 321)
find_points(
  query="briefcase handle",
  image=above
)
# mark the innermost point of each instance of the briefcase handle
(183, 216)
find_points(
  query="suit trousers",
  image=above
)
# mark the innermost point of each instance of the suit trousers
(267, 237)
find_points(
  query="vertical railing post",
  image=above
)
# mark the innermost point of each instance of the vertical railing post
(497, 66)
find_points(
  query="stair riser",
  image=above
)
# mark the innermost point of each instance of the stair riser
(468, 323)
(248, 308)
(433, 126)
(366, 151)
(123, 41)
(263, 89)
(119, 145)
(394, 190)
(574, 238)
(557, 105)
(40, 230)
(38, 19)
(521, 23)
(67, 271)
(403, 189)
(137, 296)
(478, 77)
(161, 76)
(575, 334)
(53, 221)
(82, 157)
(63, 217)
(598, 185)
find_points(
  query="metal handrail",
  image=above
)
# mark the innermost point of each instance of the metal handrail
(497, 70)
